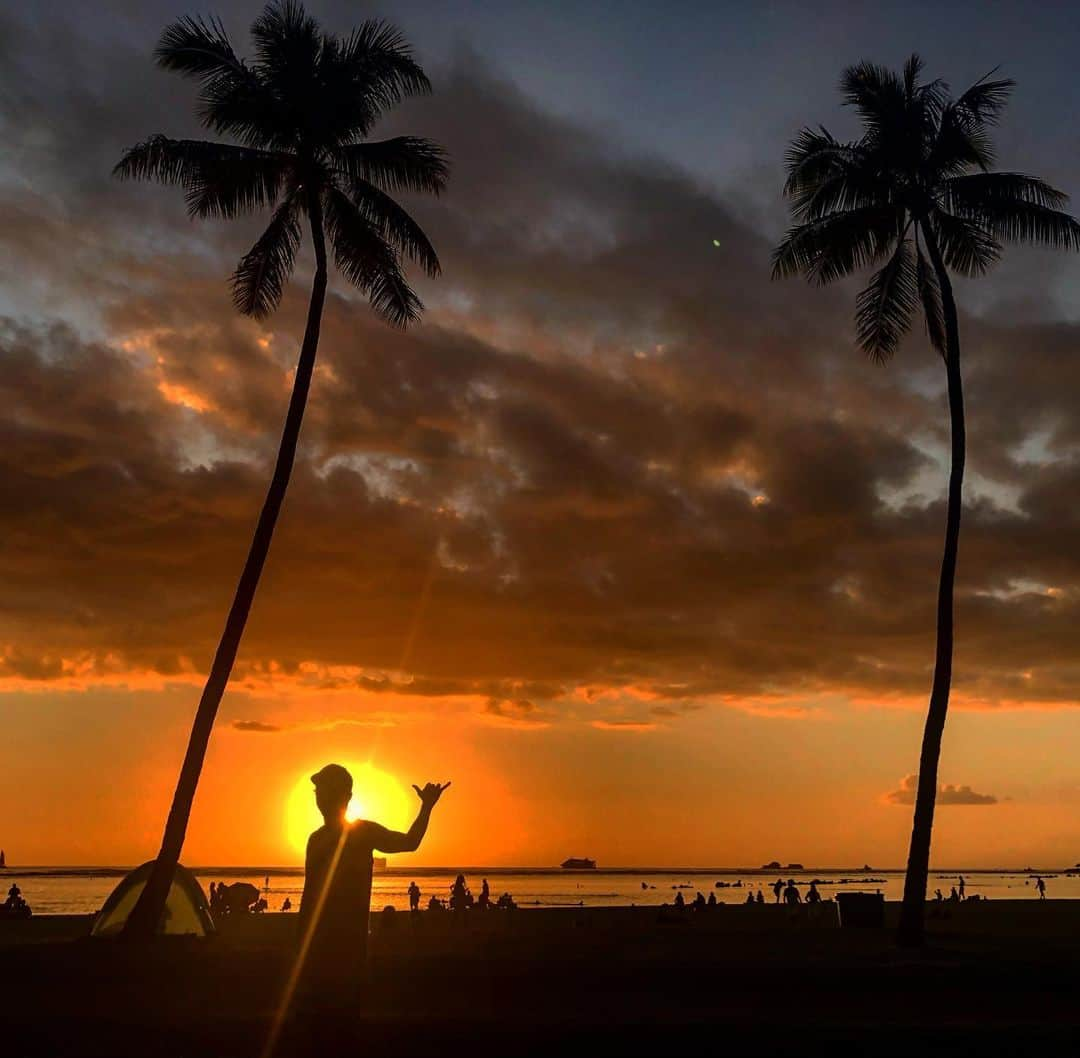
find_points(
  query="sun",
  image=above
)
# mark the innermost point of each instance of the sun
(377, 795)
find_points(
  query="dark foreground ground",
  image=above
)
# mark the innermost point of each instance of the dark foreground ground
(996, 979)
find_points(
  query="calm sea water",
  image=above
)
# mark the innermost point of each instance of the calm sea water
(71, 890)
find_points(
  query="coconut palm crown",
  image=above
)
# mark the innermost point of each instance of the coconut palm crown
(301, 112)
(917, 184)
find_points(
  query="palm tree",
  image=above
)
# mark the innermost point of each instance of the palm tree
(915, 194)
(301, 112)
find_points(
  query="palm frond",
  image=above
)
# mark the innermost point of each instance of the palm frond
(288, 43)
(985, 99)
(1029, 222)
(825, 176)
(363, 76)
(965, 247)
(196, 47)
(368, 261)
(394, 224)
(404, 163)
(377, 56)
(219, 179)
(930, 295)
(959, 143)
(883, 310)
(973, 190)
(260, 277)
(837, 244)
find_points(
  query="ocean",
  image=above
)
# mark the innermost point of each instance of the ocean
(82, 890)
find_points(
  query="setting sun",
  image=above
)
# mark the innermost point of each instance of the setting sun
(377, 795)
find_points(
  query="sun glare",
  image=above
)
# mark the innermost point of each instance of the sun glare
(377, 795)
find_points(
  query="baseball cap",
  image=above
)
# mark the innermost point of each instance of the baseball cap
(333, 776)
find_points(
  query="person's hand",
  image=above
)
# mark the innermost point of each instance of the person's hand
(431, 793)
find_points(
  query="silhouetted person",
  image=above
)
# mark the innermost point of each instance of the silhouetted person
(286, 905)
(336, 904)
(791, 893)
(813, 896)
(778, 889)
(485, 896)
(749, 898)
(213, 895)
(14, 896)
(680, 903)
(954, 897)
(960, 887)
(460, 897)
(712, 900)
(760, 899)
(414, 896)
(699, 901)
(1041, 886)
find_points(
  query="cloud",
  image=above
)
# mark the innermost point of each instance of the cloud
(948, 794)
(255, 725)
(623, 725)
(552, 484)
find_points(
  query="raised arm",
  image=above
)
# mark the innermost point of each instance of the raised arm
(394, 840)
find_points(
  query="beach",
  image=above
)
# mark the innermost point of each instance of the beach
(995, 978)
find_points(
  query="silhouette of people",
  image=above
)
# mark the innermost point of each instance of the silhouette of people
(750, 898)
(286, 905)
(414, 896)
(1041, 886)
(791, 893)
(813, 896)
(960, 887)
(680, 903)
(760, 897)
(954, 897)
(778, 888)
(938, 895)
(699, 902)
(336, 902)
(15, 906)
(485, 896)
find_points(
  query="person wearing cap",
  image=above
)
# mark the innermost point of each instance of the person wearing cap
(336, 901)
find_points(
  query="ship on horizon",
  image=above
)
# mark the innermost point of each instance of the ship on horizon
(576, 864)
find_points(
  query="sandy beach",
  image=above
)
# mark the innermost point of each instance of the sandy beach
(996, 978)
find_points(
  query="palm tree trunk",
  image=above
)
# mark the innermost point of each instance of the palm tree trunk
(918, 866)
(147, 914)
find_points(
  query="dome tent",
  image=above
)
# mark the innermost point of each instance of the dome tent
(186, 910)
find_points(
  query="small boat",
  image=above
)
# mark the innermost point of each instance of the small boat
(3, 860)
(575, 864)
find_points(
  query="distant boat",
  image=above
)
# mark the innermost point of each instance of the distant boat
(3, 860)
(575, 864)
(772, 865)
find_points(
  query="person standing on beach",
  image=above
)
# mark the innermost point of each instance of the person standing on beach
(960, 887)
(414, 896)
(1041, 886)
(336, 902)
(778, 888)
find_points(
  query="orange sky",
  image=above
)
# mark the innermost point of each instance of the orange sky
(680, 539)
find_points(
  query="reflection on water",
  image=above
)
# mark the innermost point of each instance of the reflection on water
(57, 891)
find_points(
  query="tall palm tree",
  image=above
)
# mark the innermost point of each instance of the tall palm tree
(301, 112)
(915, 194)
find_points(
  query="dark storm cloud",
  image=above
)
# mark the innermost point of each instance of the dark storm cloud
(615, 459)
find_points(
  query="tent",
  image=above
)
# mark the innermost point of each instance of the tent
(186, 910)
